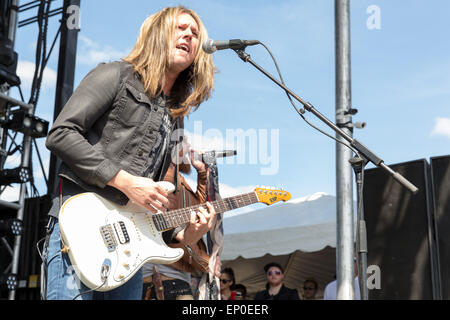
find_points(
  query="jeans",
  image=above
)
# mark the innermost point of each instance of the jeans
(63, 283)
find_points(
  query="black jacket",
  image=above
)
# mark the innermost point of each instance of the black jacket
(285, 293)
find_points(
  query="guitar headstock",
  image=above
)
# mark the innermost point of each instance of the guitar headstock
(271, 195)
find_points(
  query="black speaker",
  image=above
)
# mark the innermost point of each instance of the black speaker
(34, 222)
(401, 235)
(440, 178)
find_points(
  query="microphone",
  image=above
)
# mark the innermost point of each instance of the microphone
(211, 46)
(214, 154)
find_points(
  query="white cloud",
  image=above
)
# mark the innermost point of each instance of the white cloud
(13, 161)
(10, 194)
(442, 127)
(307, 198)
(25, 71)
(229, 191)
(92, 53)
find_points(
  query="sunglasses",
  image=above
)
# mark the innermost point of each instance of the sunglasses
(274, 272)
(225, 281)
(308, 288)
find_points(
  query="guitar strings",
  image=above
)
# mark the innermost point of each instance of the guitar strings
(174, 218)
(220, 206)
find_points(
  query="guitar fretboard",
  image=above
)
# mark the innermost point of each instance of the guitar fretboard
(174, 218)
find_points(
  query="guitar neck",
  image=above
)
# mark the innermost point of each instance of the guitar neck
(174, 218)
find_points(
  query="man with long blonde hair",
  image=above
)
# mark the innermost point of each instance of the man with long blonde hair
(151, 58)
(114, 136)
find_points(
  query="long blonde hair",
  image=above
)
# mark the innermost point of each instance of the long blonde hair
(150, 58)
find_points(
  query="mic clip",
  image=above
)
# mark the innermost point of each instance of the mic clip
(242, 54)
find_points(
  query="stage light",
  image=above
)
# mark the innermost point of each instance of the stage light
(15, 175)
(8, 63)
(33, 126)
(9, 281)
(11, 226)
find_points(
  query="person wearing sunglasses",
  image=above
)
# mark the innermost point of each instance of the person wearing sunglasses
(227, 282)
(275, 288)
(310, 287)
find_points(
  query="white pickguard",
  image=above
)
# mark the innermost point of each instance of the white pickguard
(81, 220)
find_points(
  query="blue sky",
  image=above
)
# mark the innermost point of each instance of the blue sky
(400, 82)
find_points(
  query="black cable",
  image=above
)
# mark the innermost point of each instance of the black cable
(105, 275)
(28, 6)
(8, 153)
(21, 94)
(31, 20)
(301, 111)
(13, 141)
(44, 53)
(33, 190)
(38, 52)
(53, 44)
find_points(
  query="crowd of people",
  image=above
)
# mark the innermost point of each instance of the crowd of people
(275, 289)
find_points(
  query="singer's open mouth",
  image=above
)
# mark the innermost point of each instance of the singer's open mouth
(183, 47)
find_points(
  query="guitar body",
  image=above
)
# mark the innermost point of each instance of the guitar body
(103, 238)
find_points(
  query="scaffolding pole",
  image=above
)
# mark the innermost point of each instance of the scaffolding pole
(26, 145)
(65, 80)
(344, 175)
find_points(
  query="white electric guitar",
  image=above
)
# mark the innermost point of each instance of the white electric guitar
(107, 243)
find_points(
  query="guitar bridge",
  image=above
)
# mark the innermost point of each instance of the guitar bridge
(108, 237)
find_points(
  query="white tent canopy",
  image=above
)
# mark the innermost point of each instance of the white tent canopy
(307, 224)
(299, 234)
(279, 241)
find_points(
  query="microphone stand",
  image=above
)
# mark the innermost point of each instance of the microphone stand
(363, 156)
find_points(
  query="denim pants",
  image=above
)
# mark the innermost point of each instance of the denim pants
(63, 283)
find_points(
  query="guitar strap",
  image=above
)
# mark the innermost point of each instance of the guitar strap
(168, 159)
(157, 284)
(179, 125)
(209, 286)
